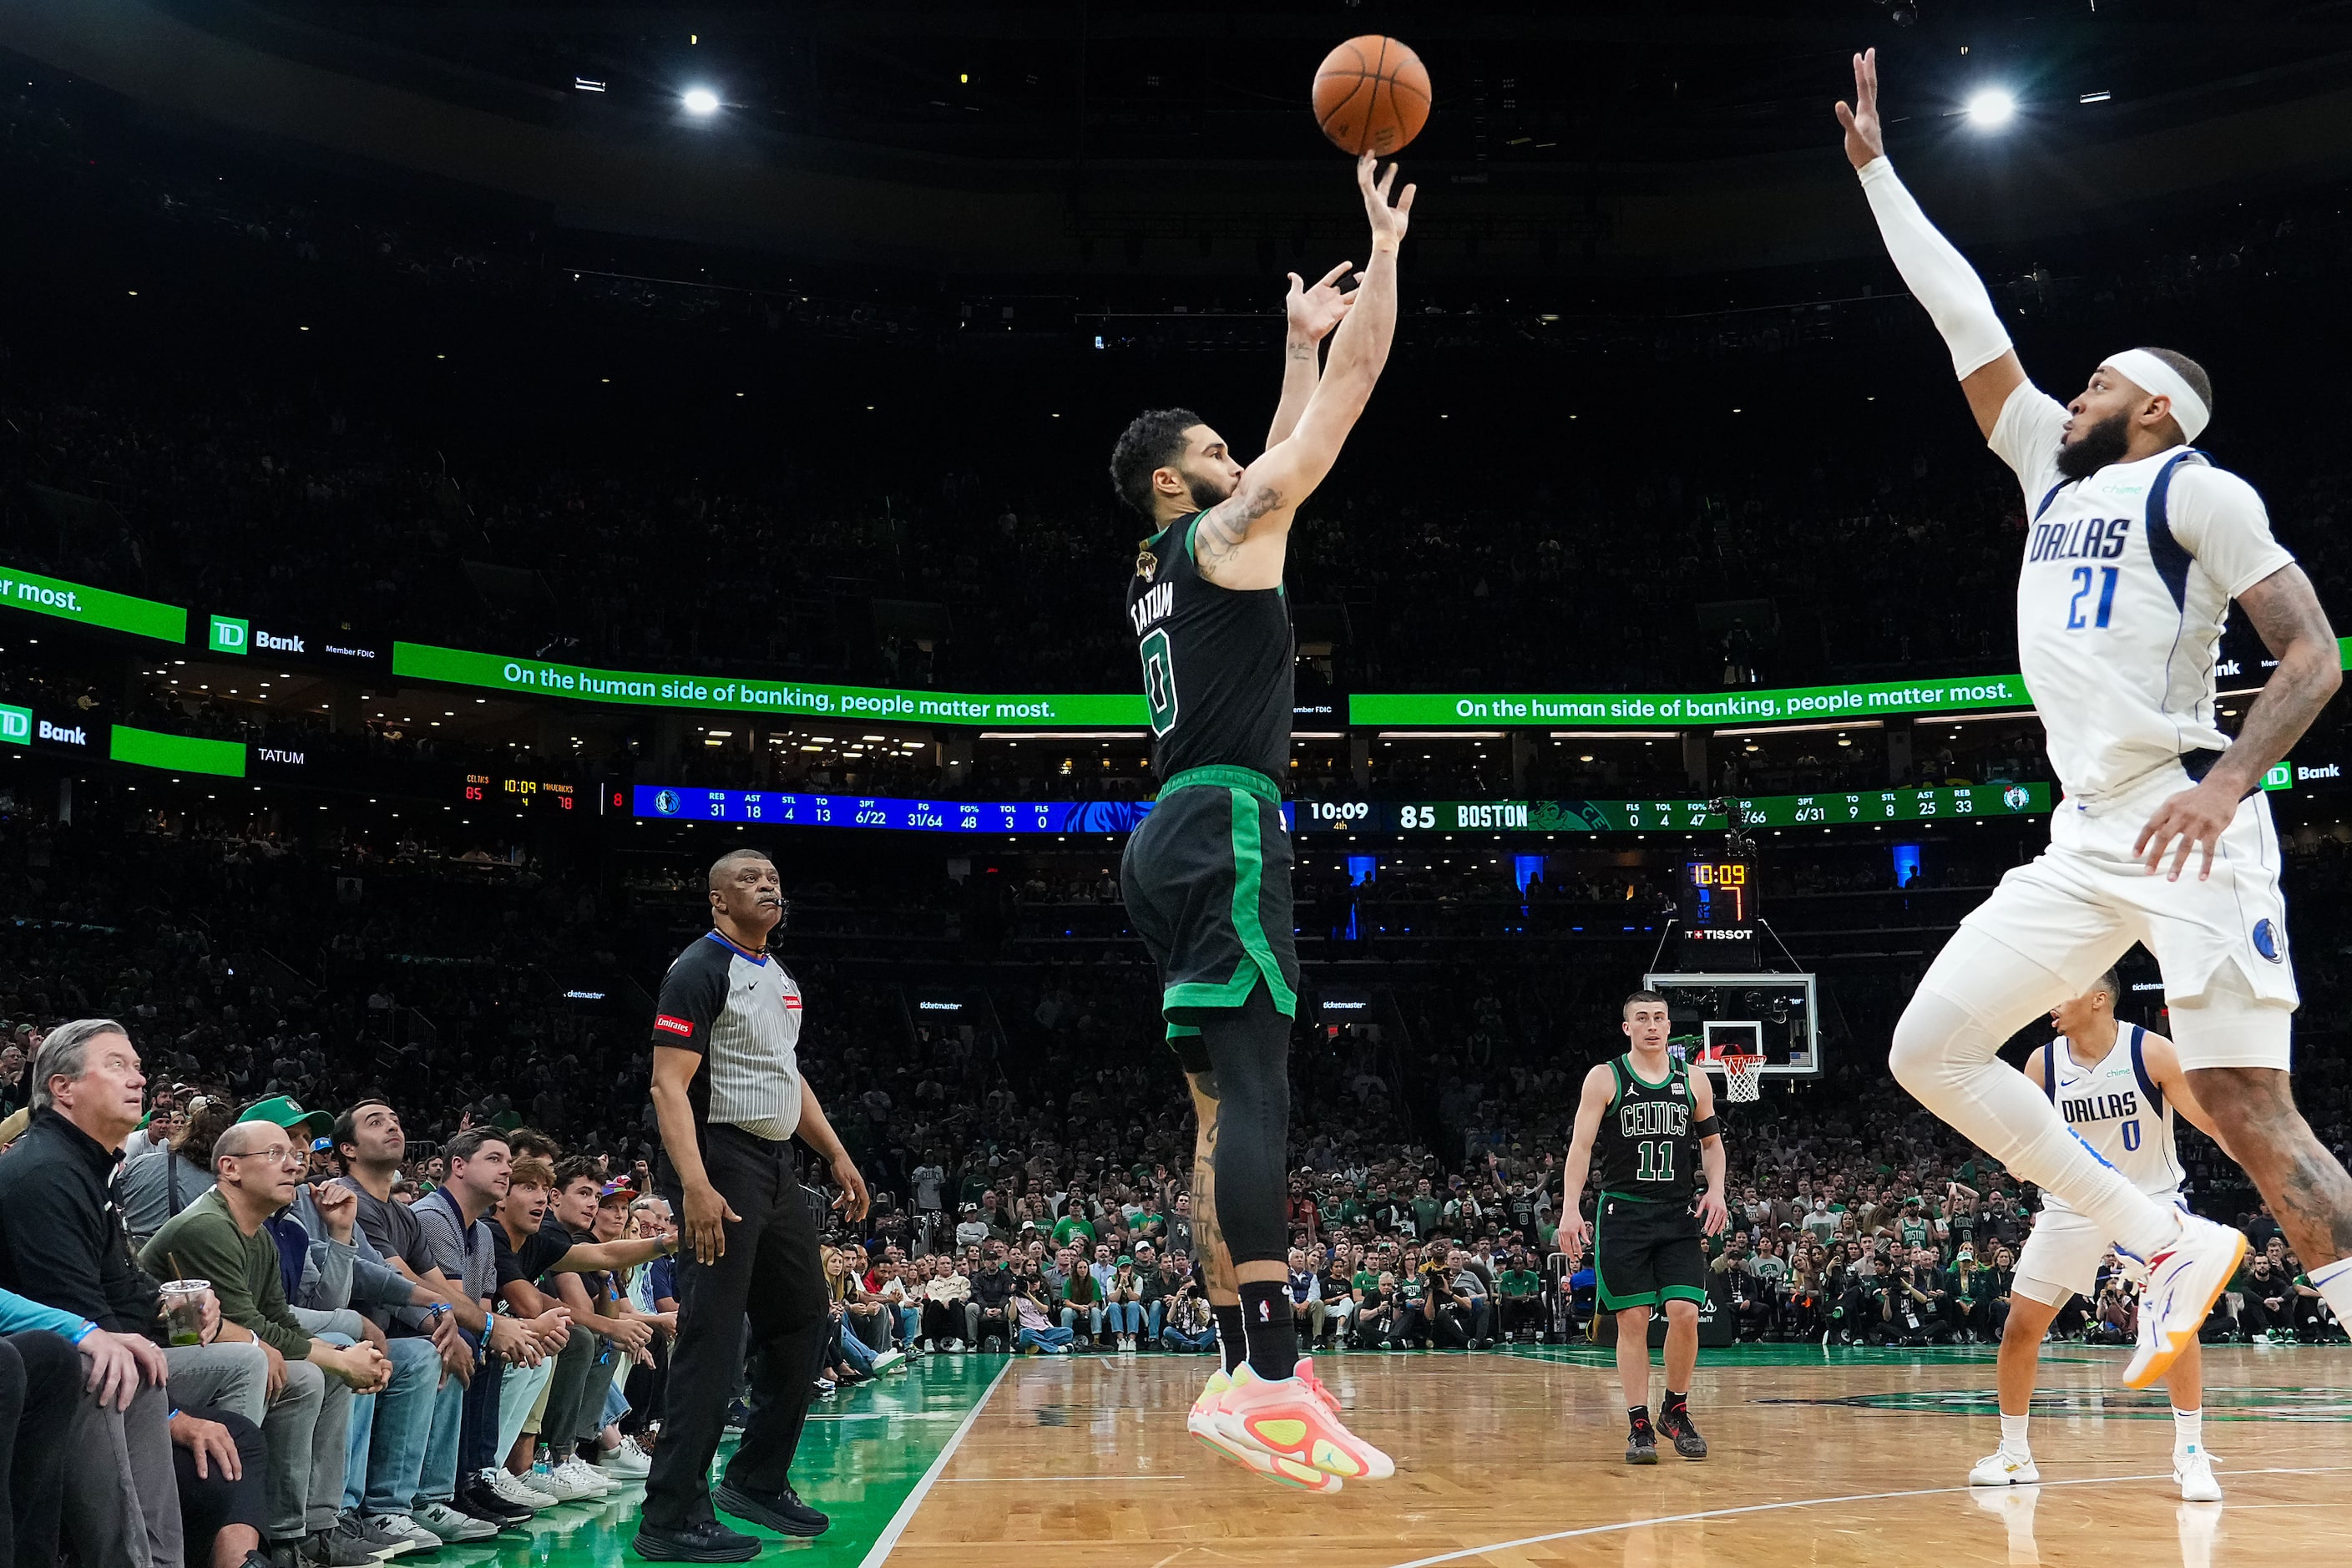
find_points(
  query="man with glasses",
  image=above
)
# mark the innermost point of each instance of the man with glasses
(306, 1415)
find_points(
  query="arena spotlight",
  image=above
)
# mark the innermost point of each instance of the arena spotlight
(699, 101)
(1992, 108)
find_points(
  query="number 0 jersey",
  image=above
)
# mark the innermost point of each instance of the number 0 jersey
(2115, 1106)
(2126, 581)
(1216, 662)
(1645, 1148)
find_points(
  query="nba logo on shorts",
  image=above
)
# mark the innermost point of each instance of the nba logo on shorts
(2266, 941)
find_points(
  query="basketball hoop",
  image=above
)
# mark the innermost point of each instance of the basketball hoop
(1743, 1076)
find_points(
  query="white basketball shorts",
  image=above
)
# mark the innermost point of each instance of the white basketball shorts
(2064, 1253)
(2078, 905)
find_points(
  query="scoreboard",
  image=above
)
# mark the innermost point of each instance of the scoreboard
(1963, 802)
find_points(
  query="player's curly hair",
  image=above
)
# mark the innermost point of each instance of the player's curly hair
(1151, 441)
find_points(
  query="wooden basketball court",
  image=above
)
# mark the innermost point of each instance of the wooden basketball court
(1516, 1458)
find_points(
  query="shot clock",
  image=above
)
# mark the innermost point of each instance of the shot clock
(1716, 902)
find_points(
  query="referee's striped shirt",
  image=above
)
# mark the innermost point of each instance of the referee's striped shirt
(742, 1011)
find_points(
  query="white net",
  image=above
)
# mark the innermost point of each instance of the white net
(1743, 1078)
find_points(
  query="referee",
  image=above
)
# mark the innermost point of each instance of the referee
(727, 1090)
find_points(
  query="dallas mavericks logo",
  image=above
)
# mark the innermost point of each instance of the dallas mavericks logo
(2015, 797)
(667, 803)
(2269, 942)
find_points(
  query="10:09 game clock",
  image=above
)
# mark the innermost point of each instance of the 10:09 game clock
(1715, 900)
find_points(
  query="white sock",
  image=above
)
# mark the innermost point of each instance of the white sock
(2334, 1283)
(2188, 1429)
(2012, 1437)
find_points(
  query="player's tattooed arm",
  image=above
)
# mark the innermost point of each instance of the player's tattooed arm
(2287, 613)
(1226, 527)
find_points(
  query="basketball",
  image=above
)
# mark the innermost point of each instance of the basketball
(1372, 95)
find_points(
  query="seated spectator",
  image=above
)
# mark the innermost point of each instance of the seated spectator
(1520, 1299)
(950, 1320)
(992, 1292)
(221, 1238)
(1186, 1324)
(1036, 1330)
(1306, 1308)
(153, 1187)
(127, 1499)
(409, 1459)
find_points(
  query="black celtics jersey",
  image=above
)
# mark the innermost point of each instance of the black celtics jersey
(1216, 662)
(1645, 1148)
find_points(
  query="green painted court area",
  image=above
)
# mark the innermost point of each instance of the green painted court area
(863, 1455)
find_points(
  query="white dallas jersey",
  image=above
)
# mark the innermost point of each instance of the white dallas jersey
(2126, 582)
(2116, 1109)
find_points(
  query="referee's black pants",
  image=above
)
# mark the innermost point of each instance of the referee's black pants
(772, 1272)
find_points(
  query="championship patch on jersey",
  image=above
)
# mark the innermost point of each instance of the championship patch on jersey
(673, 1025)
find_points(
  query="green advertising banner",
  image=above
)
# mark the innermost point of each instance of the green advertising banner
(536, 677)
(88, 606)
(181, 754)
(1644, 709)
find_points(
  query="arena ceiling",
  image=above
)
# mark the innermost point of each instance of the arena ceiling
(1615, 136)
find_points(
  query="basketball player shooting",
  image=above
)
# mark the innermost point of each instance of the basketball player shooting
(2136, 547)
(2119, 1088)
(1207, 876)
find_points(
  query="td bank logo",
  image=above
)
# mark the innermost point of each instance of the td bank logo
(229, 635)
(2281, 776)
(16, 726)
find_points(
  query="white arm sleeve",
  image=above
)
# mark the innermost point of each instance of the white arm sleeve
(2220, 519)
(1938, 276)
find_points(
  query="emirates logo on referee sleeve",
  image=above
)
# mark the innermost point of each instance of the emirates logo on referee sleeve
(664, 1022)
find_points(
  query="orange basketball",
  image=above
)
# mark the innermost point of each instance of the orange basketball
(1372, 95)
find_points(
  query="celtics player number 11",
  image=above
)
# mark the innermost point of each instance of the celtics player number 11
(1651, 1122)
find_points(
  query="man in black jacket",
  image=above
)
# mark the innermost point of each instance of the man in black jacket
(62, 1245)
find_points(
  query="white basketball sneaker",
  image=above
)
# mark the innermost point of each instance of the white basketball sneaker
(2183, 1281)
(2004, 1468)
(2193, 1469)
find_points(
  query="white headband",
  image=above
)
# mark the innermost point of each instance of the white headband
(2153, 376)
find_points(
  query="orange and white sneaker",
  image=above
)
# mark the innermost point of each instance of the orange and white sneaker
(1201, 1423)
(1305, 1374)
(1295, 1419)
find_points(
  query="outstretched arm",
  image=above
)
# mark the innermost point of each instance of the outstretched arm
(1241, 541)
(1938, 276)
(1311, 313)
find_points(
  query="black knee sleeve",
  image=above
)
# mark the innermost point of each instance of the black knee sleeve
(1249, 1052)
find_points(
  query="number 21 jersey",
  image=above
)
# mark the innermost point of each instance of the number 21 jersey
(2126, 584)
(1216, 662)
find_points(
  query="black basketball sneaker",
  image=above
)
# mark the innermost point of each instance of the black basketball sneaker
(1676, 1423)
(1642, 1443)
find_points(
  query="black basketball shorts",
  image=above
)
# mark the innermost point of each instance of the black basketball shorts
(1207, 883)
(1646, 1254)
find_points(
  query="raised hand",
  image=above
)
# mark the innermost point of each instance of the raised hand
(1389, 223)
(1313, 312)
(1864, 139)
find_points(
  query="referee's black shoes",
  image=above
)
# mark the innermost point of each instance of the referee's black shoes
(701, 1541)
(781, 1511)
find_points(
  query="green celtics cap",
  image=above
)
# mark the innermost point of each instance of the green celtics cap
(284, 1111)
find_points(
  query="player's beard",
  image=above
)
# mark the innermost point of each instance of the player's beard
(1204, 495)
(2102, 444)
